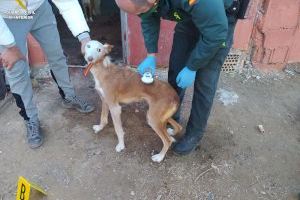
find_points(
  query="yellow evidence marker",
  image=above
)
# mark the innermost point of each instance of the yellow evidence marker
(24, 187)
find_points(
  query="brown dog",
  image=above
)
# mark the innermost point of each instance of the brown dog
(121, 85)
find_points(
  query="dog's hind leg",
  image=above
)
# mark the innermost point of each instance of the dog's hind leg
(115, 111)
(159, 127)
(176, 127)
(104, 117)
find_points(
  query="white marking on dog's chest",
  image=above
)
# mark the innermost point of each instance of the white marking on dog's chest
(98, 86)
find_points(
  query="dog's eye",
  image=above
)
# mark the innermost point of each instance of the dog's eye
(99, 50)
(88, 46)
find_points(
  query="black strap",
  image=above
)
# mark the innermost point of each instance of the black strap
(238, 8)
(243, 9)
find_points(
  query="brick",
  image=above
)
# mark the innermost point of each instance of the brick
(279, 55)
(281, 14)
(277, 38)
(242, 34)
(294, 53)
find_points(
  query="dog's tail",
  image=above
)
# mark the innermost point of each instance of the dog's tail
(176, 127)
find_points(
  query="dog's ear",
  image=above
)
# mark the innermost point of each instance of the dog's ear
(108, 47)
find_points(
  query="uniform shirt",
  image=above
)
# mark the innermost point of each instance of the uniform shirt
(208, 16)
(69, 9)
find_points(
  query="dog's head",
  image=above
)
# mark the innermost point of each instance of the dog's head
(96, 51)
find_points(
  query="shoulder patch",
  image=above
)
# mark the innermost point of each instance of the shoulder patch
(21, 4)
(192, 2)
(224, 44)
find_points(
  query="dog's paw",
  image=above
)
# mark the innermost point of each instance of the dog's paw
(120, 147)
(170, 131)
(97, 128)
(157, 158)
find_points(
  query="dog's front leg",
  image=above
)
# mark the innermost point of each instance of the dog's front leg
(115, 111)
(104, 117)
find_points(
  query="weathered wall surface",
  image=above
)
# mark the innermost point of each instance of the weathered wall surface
(276, 35)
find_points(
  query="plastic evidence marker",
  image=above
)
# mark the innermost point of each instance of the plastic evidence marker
(24, 188)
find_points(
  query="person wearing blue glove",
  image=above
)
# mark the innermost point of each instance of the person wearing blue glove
(149, 63)
(202, 40)
(185, 78)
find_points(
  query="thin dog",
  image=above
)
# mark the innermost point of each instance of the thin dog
(117, 85)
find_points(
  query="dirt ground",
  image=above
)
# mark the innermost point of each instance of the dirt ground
(234, 161)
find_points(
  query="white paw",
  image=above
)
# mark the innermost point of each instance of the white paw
(120, 147)
(157, 158)
(170, 131)
(97, 128)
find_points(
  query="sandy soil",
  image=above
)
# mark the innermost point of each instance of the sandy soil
(234, 161)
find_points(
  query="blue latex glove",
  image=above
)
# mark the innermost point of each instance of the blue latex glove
(185, 78)
(149, 63)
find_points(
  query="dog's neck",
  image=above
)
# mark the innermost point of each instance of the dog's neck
(104, 62)
(101, 67)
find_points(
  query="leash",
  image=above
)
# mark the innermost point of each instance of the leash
(89, 67)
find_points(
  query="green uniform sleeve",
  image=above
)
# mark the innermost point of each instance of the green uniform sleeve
(150, 29)
(210, 19)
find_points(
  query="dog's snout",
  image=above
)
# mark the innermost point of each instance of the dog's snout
(90, 58)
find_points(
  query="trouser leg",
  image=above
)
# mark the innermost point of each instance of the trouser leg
(204, 91)
(18, 77)
(205, 88)
(45, 31)
(183, 44)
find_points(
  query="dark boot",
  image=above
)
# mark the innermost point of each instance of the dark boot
(186, 144)
(79, 104)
